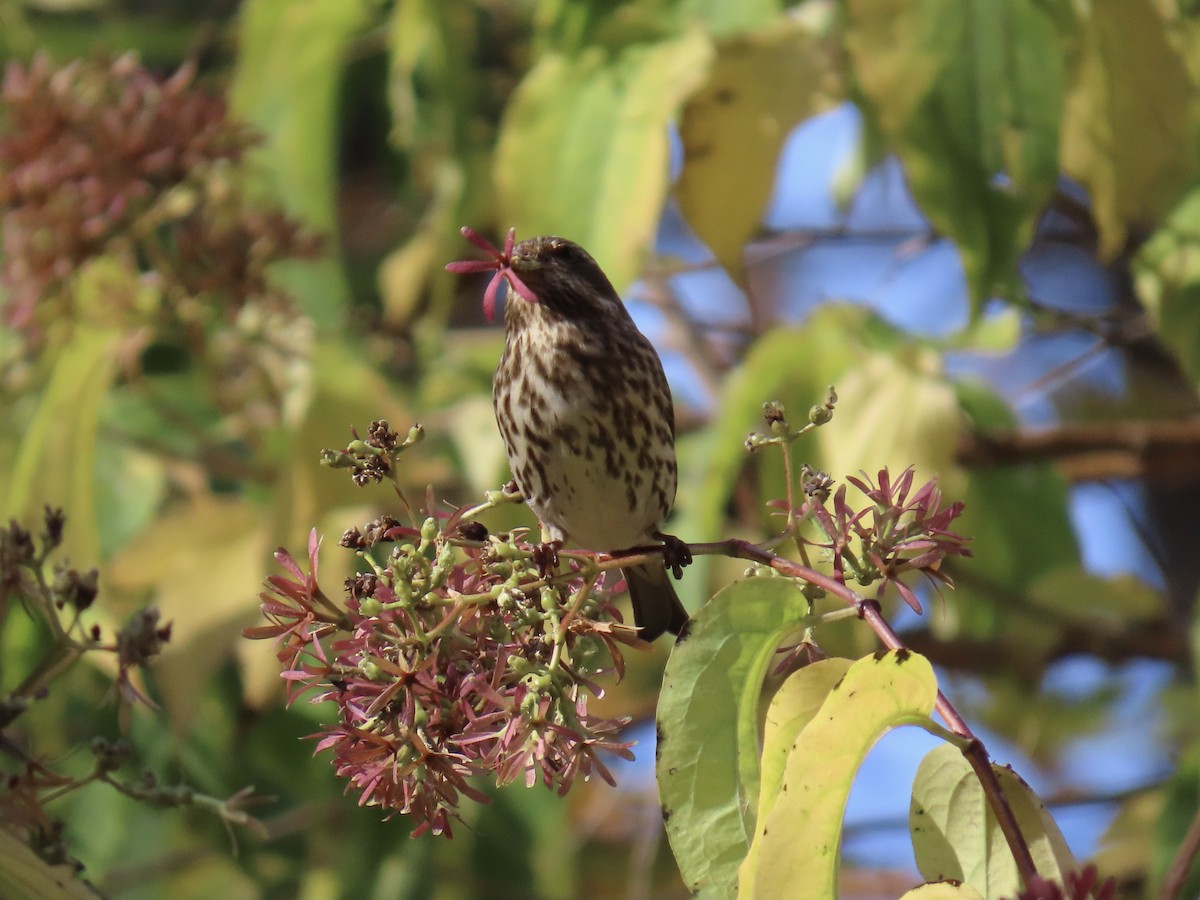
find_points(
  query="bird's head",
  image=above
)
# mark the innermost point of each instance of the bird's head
(563, 276)
(552, 271)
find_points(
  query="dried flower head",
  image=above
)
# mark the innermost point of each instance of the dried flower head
(103, 158)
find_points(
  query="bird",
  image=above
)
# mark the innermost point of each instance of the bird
(585, 411)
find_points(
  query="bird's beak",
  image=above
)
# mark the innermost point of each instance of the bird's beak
(523, 263)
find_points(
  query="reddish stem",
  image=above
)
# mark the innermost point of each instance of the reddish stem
(1181, 865)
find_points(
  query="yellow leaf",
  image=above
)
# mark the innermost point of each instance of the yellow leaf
(943, 890)
(202, 565)
(1129, 133)
(56, 462)
(732, 129)
(797, 844)
(583, 146)
(26, 876)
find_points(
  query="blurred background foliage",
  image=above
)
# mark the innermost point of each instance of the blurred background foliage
(978, 218)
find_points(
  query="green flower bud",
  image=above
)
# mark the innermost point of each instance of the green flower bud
(429, 530)
(371, 670)
(529, 704)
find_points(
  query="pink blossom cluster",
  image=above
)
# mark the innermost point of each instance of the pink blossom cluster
(903, 531)
(449, 658)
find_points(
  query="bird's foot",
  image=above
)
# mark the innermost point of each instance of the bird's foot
(676, 553)
(545, 557)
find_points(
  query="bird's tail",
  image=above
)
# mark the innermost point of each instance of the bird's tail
(656, 606)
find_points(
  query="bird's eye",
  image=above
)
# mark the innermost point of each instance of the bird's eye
(566, 251)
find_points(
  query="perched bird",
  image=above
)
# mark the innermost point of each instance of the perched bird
(586, 414)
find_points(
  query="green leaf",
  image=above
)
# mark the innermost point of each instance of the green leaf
(1168, 267)
(583, 146)
(1098, 603)
(732, 129)
(436, 107)
(1033, 495)
(783, 364)
(131, 487)
(286, 84)
(795, 366)
(969, 93)
(797, 845)
(1128, 80)
(1182, 798)
(1007, 560)
(955, 835)
(160, 41)
(711, 460)
(708, 753)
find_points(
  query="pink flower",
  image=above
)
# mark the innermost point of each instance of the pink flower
(431, 691)
(501, 262)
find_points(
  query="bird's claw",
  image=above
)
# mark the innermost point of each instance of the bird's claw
(676, 553)
(545, 557)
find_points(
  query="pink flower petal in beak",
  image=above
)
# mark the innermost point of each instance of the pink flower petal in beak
(489, 297)
(500, 263)
(521, 288)
(485, 245)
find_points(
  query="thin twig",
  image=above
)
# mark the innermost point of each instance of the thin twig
(1181, 865)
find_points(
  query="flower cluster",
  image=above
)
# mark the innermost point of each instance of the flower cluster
(372, 459)
(122, 201)
(902, 532)
(102, 157)
(451, 656)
